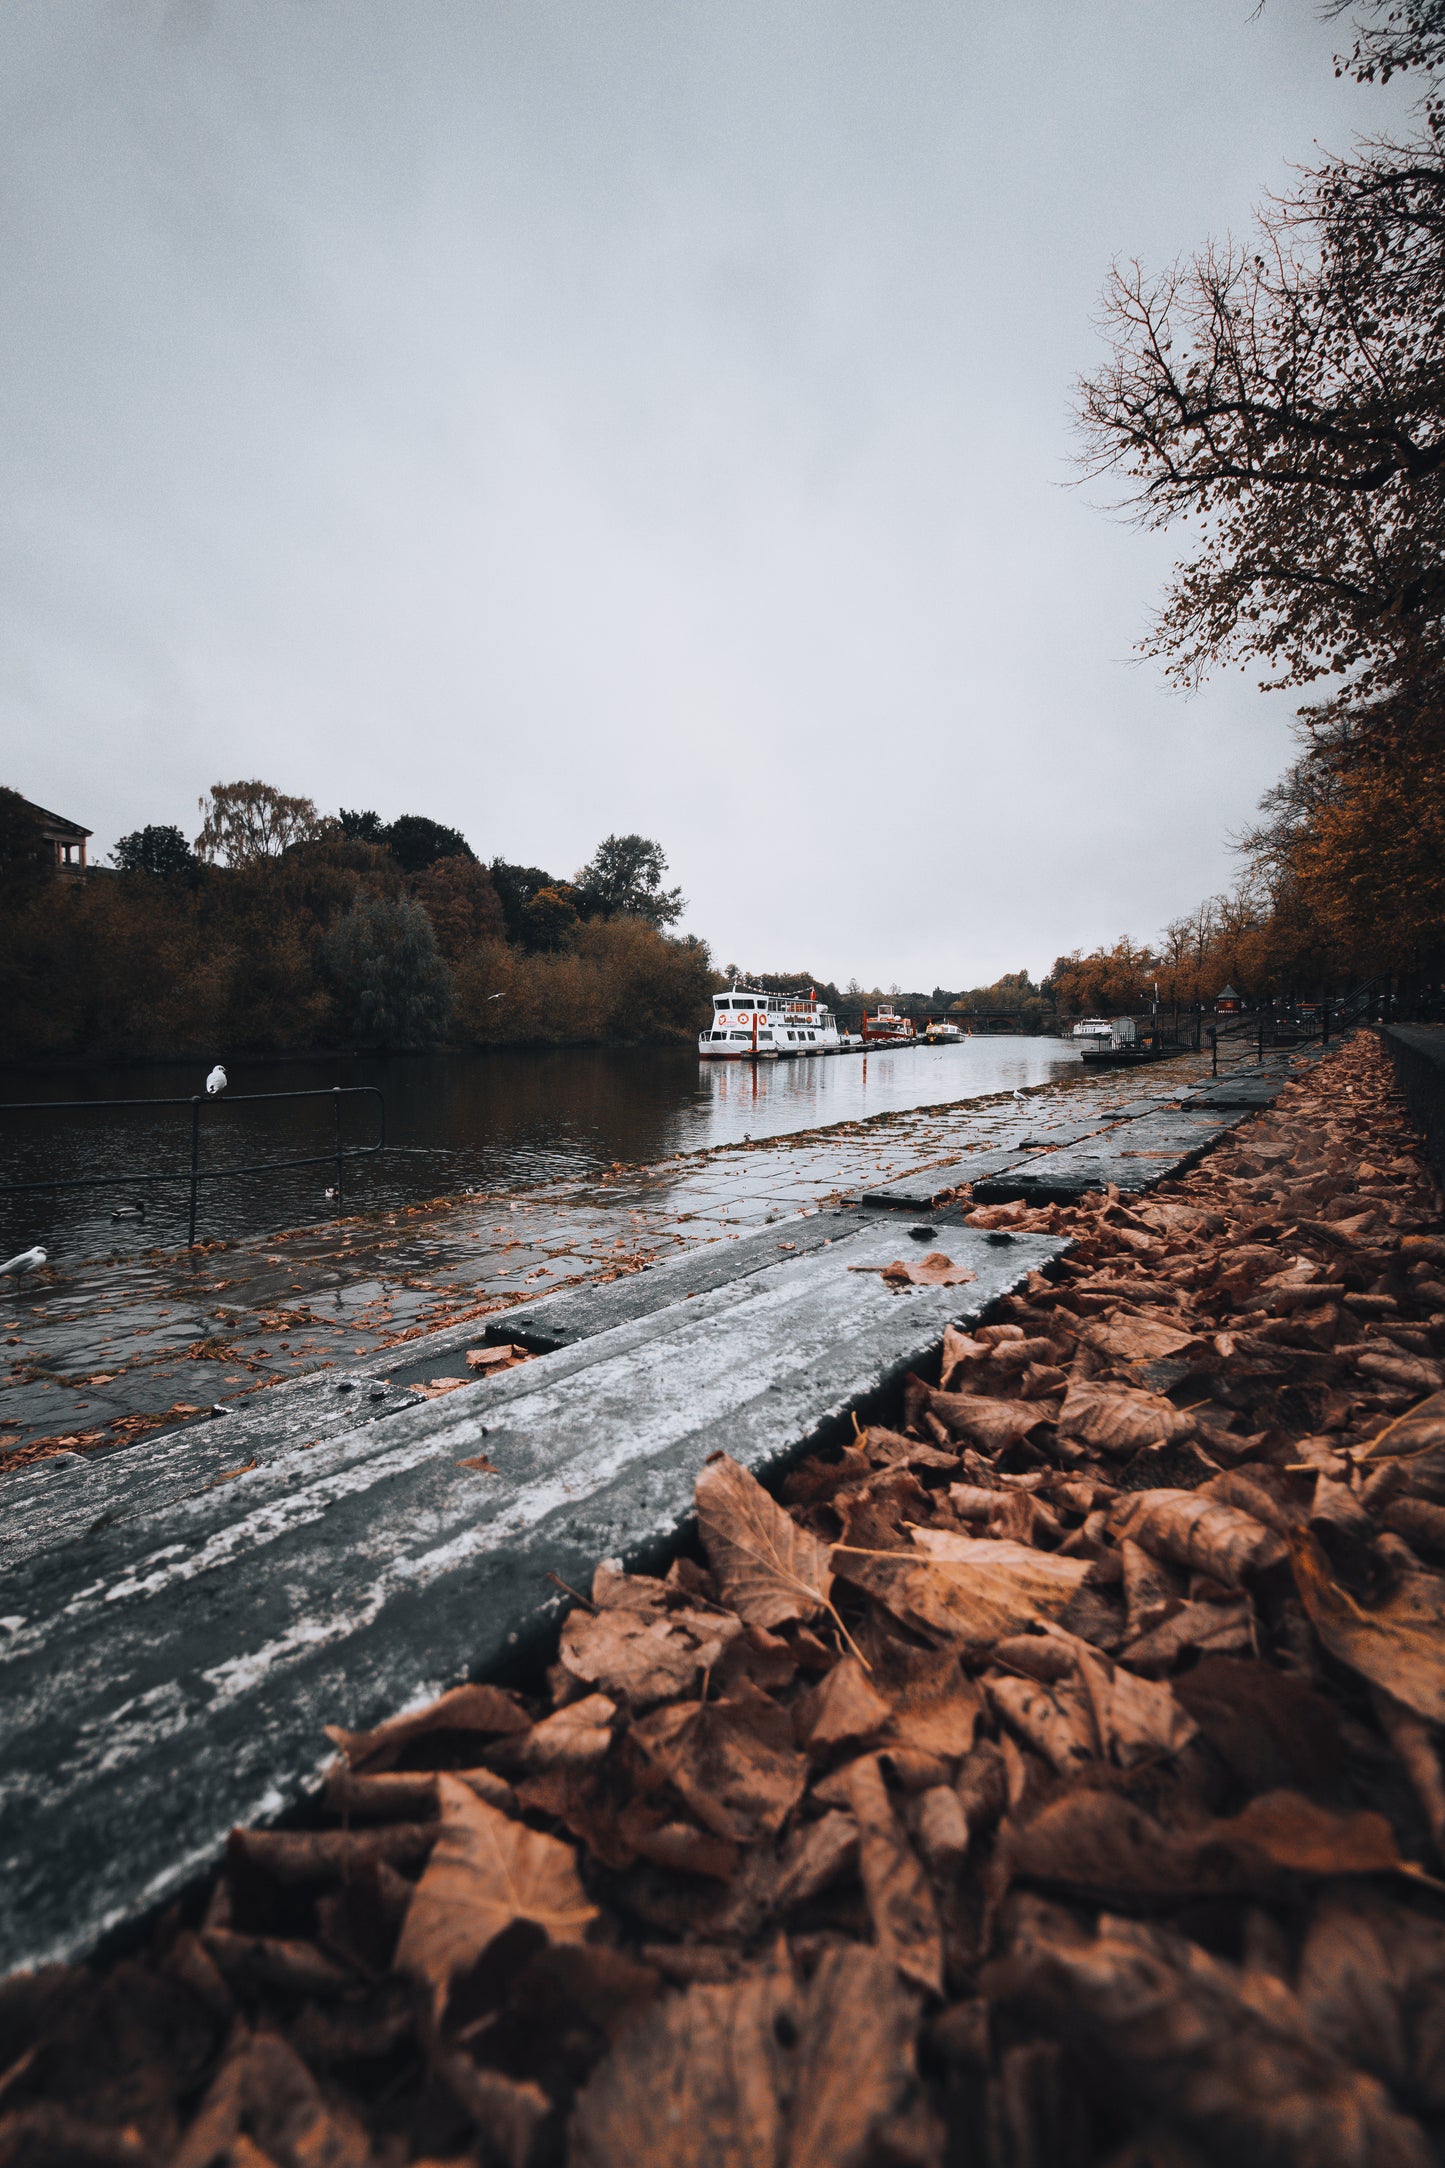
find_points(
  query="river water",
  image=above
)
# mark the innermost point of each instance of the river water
(497, 1121)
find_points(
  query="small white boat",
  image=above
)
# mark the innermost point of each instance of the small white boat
(1093, 1027)
(942, 1033)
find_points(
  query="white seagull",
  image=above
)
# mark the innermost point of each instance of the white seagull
(27, 1261)
(216, 1082)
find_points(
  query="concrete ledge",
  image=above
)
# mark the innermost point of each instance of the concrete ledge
(1134, 1157)
(916, 1192)
(1419, 1056)
(165, 1673)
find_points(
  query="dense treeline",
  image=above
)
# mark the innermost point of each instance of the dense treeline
(283, 930)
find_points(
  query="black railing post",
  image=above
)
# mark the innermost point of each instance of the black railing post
(195, 1167)
(1213, 1050)
(1325, 1021)
(336, 1154)
(1260, 1055)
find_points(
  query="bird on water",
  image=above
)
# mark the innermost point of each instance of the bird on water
(26, 1261)
(216, 1082)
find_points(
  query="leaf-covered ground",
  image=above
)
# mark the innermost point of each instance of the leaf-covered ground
(1050, 1779)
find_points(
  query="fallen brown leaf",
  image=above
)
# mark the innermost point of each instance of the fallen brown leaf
(1272, 1730)
(1170, 2026)
(934, 1270)
(1136, 1339)
(962, 1589)
(643, 1660)
(1220, 1628)
(990, 1423)
(488, 1710)
(1136, 1719)
(1398, 1644)
(767, 1567)
(1198, 1533)
(263, 2093)
(486, 1873)
(1057, 1721)
(900, 1900)
(704, 2081)
(733, 1762)
(1118, 1419)
(841, 1708)
(1102, 1845)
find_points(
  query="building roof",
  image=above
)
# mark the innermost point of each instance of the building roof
(57, 821)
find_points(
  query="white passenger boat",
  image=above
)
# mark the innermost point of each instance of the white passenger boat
(887, 1028)
(940, 1033)
(1094, 1027)
(752, 1026)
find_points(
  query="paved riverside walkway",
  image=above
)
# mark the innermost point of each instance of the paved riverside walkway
(167, 1673)
(183, 1617)
(99, 1355)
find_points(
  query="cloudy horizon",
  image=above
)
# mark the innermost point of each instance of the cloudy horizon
(561, 421)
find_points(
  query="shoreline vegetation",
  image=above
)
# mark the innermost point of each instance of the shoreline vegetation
(284, 931)
(286, 934)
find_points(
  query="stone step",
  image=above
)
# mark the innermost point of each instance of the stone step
(1134, 1157)
(167, 1675)
(916, 1192)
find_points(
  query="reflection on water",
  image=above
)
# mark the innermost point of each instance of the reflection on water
(492, 1121)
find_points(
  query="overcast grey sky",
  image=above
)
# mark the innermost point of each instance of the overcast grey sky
(564, 416)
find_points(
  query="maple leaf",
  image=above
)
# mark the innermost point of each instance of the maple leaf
(485, 1873)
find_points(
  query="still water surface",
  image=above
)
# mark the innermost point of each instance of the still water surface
(495, 1121)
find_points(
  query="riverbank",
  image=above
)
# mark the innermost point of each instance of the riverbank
(1092, 1677)
(112, 1350)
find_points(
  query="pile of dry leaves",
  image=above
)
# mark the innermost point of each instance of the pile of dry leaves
(1049, 1780)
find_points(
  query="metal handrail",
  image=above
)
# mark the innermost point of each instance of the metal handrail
(195, 1174)
(1329, 1015)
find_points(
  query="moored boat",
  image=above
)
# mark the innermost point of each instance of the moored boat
(752, 1026)
(744, 1024)
(886, 1027)
(941, 1033)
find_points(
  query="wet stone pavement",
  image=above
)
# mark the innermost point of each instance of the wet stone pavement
(115, 1350)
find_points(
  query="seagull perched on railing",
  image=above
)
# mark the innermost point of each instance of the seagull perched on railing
(27, 1261)
(216, 1082)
